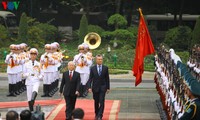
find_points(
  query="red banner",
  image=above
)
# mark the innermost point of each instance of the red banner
(144, 47)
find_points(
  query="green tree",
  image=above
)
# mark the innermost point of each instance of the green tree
(118, 21)
(178, 37)
(23, 28)
(4, 35)
(49, 32)
(195, 33)
(3, 32)
(96, 29)
(120, 37)
(83, 28)
(35, 37)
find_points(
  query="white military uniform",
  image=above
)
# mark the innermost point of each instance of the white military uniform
(12, 68)
(82, 63)
(33, 76)
(48, 68)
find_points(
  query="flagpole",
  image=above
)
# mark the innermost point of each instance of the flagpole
(140, 11)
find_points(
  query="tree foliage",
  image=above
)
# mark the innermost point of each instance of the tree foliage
(120, 36)
(35, 37)
(23, 28)
(49, 32)
(118, 21)
(3, 33)
(95, 28)
(83, 28)
(178, 38)
(195, 33)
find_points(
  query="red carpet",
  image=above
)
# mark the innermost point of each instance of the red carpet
(110, 112)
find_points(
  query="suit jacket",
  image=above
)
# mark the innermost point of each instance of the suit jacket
(99, 83)
(70, 86)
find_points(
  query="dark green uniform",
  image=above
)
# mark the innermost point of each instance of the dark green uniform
(192, 111)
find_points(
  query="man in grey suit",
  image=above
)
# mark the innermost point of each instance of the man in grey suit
(99, 84)
(70, 83)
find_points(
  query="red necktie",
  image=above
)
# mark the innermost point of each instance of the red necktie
(70, 76)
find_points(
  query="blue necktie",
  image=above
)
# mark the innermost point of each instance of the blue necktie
(99, 70)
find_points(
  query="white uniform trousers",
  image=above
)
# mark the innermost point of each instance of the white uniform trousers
(84, 78)
(31, 89)
(19, 76)
(12, 78)
(48, 78)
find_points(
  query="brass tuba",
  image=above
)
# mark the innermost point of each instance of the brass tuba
(93, 40)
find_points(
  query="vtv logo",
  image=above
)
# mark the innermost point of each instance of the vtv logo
(10, 5)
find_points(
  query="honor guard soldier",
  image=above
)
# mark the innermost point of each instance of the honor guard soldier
(56, 74)
(25, 56)
(47, 68)
(19, 85)
(89, 58)
(33, 76)
(192, 108)
(81, 63)
(12, 69)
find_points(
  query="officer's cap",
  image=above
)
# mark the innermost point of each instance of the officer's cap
(57, 44)
(81, 47)
(194, 87)
(33, 51)
(86, 46)
(12, 46)
(47, 46)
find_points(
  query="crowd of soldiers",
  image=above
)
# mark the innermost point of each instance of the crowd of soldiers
(178, 85)
(20, 60)
(19, 55)
(50, 63)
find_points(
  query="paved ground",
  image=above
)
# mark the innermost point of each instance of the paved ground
(137, 103)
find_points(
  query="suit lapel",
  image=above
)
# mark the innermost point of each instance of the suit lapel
(96, 70)
(73, 75)
(67, 74)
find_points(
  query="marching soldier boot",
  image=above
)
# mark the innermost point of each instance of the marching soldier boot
(53, 88)
(23, 83)
(85, 91)
(44, 91)
(81, 90)
(30, 106)
(48, 91)
(20, 87)
(57, 83)
(13, 90)
(16, 88)
(9, 90)
(34, 95)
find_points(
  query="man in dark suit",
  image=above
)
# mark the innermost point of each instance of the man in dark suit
(99, 84)
(70, 83)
